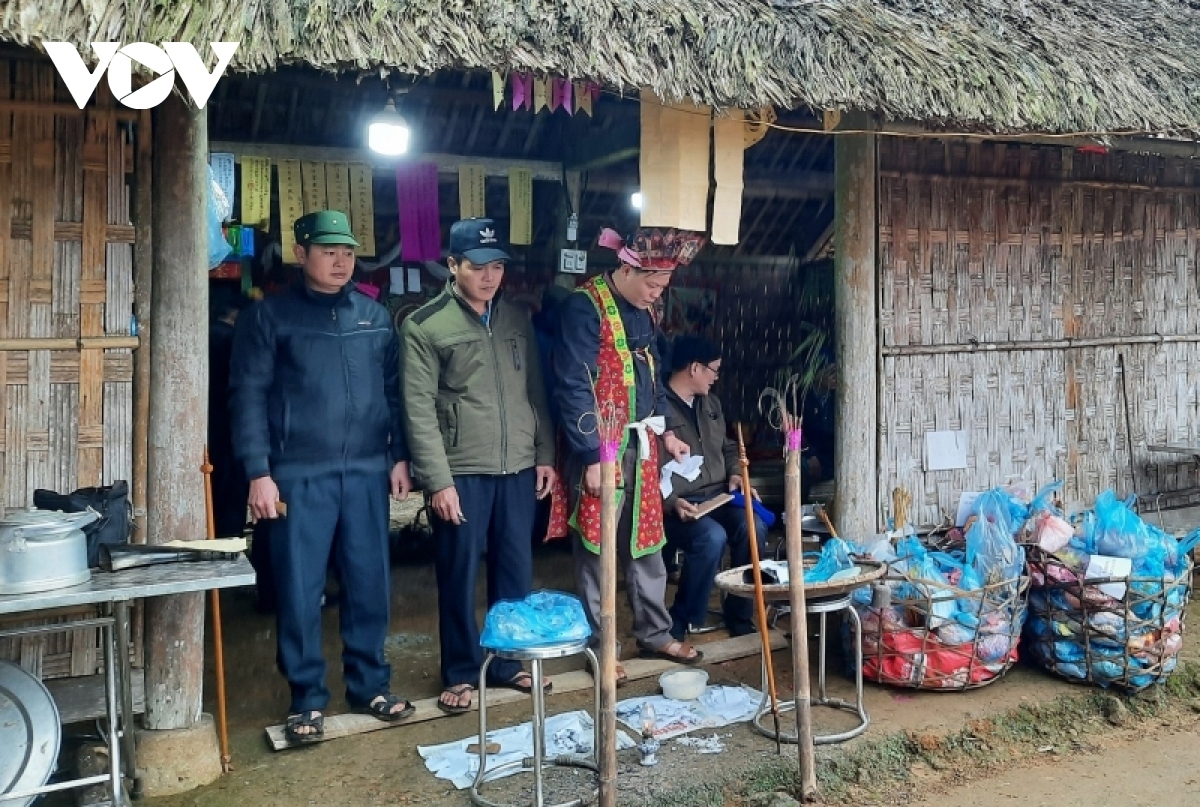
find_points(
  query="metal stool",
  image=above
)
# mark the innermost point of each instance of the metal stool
(535, 655)
(823, 607)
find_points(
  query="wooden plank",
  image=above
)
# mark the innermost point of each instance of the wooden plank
(93, 343)
(1192, 450)
(81, 699)
(338, 726)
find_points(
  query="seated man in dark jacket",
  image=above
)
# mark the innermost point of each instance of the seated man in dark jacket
(317, 423)
(695, 367)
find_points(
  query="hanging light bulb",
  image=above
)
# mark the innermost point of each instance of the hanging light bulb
(388, 132)
(635, 201)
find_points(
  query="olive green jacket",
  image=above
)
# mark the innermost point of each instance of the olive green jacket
(474, 397)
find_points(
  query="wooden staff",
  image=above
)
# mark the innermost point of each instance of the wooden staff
(795, 556)
(760, 604)
(218, 638)
(607, 753)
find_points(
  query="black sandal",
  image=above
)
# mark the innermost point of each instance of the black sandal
(525, 676)
(457, 691)
(312, 720)
(382, 709)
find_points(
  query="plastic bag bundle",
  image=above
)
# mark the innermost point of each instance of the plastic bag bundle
(992, 548)
(943, 629)
(834, 558)
(1107, 607)
(542, 618)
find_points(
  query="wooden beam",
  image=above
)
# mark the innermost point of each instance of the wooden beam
(856, 508)
(179, 405)
(446, 163)
(796, 186)
(347, 725)
(82, 698)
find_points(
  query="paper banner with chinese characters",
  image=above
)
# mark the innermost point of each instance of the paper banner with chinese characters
(291, 205)
(583, 97)
(674, 164)
(224, 175)
(313, 176)
(729, 151)
(362, 207)
(541, 94)
(337, 188)
(520, 206)
(256, 192)
(472, 186)
(420, 226)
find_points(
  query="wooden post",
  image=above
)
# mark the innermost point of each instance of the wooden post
(178, 405)
(856, 506)
(143, 257)
(607, 757)
(795, 556)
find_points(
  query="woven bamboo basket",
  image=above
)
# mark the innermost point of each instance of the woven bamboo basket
(907, 644)
(1082, 633)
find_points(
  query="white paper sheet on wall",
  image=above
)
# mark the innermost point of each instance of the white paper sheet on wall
(414, 279)
(945, 451)
(396, 277)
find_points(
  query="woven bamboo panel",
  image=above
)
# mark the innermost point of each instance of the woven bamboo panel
(66, 272)
(754, 323)
(54, 655)
(1027, 246)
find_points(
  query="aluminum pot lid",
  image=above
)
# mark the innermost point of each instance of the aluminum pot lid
(30, 732)
(48, 518)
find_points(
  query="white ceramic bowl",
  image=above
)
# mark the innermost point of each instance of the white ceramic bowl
(683, 685)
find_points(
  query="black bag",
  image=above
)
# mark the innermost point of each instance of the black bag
(111, 502)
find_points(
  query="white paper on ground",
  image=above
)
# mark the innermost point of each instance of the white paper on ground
(945, 451)
(689, 469)
(1101, 566)
(570, 733)
(718, 706)
(966, 503)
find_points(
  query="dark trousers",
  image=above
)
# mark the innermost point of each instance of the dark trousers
(499, 511)
(344, 516)
(703, 542)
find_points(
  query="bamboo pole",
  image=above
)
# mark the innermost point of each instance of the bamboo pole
(608, 628)
(218, 638)
(795, 556)
(760, 604)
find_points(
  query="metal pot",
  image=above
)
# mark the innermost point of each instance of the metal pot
(41, 550)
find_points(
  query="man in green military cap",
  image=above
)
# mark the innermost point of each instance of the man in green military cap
(317, 422)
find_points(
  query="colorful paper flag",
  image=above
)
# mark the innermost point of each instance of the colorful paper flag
(541, 94)
(313, 176)
(337, 188)
(291, 205)
(497, 90)
(522, 85)
(256, 192)
(472, 187)
(362, 208)
(520, 206)
(583, 98)
(420, 226)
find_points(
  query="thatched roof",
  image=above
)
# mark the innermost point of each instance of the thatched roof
(991, 65)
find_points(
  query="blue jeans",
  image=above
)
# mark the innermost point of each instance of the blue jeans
(703, 542)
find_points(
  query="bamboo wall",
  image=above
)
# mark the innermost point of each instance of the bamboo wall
(66, 275)
(1033, 249)
(66, 303)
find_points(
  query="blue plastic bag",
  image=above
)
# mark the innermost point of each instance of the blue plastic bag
(218, 247)
(542, 618)
(992, 550)
(767, 517)
(834, 558)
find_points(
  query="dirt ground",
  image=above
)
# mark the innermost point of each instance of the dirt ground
(384, 767)
(1130, 770)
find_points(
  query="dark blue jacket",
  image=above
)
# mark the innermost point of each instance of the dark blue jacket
(575, 357)
(315, 382)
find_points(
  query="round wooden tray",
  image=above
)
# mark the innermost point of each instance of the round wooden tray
(731, 581)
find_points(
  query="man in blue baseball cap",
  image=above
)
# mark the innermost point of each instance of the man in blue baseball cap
(482, 447)
(317, 423)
